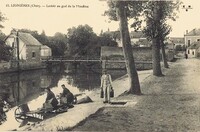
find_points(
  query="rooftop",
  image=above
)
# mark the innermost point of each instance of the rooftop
(194, 45)
(194, 32)
(137, 34)
(27, 38)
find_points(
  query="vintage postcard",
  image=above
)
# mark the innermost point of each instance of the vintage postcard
(99, 65)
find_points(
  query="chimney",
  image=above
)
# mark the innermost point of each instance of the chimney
(186, 31)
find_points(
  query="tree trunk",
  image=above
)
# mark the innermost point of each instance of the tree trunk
(127, 49)
(156, 57)
(156, 42)
(164, 55)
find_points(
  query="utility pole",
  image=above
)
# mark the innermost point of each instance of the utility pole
(18, 66)
(17, 41)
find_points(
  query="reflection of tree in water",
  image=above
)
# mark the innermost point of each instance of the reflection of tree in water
(84, 78)
(4, 103)
(2, 112)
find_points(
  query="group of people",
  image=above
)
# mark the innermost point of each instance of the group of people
(66, 97)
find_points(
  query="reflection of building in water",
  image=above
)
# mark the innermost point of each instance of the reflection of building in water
(24, 86)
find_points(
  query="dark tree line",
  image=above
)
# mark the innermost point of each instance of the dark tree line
(84, 42)
(79, 41)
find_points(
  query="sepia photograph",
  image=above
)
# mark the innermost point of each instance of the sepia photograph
(100, 65)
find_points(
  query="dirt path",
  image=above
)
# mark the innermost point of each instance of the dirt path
(170, 103)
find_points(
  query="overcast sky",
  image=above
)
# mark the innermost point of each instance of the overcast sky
(57, 19)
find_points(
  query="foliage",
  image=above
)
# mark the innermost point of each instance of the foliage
(156, 15)
(136, 9)
(133, 11)
(58, 43)
(84, 42)
(79, 38)
(2, 19)
(5, 53)
(108, 39)
(2, 36)
(4, 49)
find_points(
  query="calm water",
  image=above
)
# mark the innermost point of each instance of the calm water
(28, 86)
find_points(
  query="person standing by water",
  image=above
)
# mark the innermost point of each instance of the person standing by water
(106, 84)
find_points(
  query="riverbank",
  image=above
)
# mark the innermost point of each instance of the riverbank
(168, 104)
(80, 112)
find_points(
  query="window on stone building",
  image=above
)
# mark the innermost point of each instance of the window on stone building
(188, 51)
(192, 52)
(33, 55)
(198, 39)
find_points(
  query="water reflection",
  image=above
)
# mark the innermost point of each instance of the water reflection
(28, 86)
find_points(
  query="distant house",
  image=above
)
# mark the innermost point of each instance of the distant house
(139, 39)
(194, 50)
(29, 48)
(173, 42)
(45, 52)
(191, 37)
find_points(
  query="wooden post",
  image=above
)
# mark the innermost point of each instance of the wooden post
(103, 64)
(18, 59)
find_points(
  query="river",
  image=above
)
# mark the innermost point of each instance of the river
(28, 86)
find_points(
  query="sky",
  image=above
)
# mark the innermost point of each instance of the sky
(58, 15)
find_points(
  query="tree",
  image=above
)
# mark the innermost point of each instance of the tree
(5, 53)
(107, 39)
(156, 14)
(4, 49)
(165, 30)
(43, 38)
(2, 19)
(123, 11)
(2, 36)
(58, 43)
(79, 38)
(94, 47)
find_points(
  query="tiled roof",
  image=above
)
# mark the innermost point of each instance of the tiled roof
(45, 47)
(194, 45)
(194, 32)
(28, 39)
(137, 34)
(177, 39)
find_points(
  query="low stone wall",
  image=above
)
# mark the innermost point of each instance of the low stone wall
(139, 53)
(142, 56)
(12, 66)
